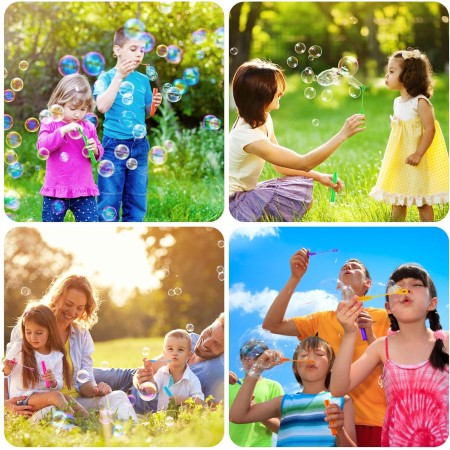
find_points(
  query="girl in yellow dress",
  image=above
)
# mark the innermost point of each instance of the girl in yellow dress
(415, 169)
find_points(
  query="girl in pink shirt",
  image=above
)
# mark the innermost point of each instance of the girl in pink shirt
(66, 140)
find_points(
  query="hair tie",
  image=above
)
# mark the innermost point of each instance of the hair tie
(439, 334)
(415, 54)
(390, 332)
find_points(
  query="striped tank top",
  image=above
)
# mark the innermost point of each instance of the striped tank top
(302, 420)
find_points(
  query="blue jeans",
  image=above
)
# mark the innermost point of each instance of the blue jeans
(124, 188)
(122, 380)
(84, 209)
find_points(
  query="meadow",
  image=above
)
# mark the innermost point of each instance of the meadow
(187, 187)
(190, 426)
(358, 160)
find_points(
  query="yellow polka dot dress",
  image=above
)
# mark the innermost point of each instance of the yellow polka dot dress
(399, 183)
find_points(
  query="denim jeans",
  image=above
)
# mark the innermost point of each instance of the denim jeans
(125, 188)
(122, 380)
(84, 209)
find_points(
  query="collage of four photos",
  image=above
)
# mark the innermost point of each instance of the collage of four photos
(280, 277)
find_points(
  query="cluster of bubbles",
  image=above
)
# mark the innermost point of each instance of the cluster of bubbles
(211, 122)
(220, 273)
(92, 63)
(173, 292)
(346, 69)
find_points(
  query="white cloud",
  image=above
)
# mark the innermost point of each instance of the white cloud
(301, 303)
(254, 232)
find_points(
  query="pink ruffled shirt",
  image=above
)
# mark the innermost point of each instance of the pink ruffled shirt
(68, 173)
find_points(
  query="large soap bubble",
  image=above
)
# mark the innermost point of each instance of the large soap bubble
(348, 66)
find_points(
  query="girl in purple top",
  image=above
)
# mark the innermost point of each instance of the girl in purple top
(68, 182)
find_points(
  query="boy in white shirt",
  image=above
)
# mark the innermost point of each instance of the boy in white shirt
(175, 380)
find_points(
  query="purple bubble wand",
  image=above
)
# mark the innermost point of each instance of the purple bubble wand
(333, 250)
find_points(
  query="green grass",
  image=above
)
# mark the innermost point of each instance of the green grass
(187, 188)
(193, 426)
(357, 161)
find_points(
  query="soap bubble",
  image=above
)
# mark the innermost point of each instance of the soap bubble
(93, 63)
(292, 62)
(109, 213)
(149, 40)
(234, 51)
(11, 157)
(191, 76)
(99, 87)
(131, 164)
(151, 73)
(8, 122)
(68, 65)
(189, 328)
(199, 36)
(104, 365)
(310, 93)
(26, 291)
(10, 95)
(174, 54)
(315, 122)
(315, 51)
(158, 155)
(147, 391)
(105, 416)
(121, 152)
(16, 84)
(169, 421)
(348, 66)
(118, 430)
(45, 115)
(200, 54)
(145, 351)
(13, 139)
(57, 112)
(211, 122)
(75, 134)
(162, 50)
(12, 200)
(354, 91)
(91, 117)
(165, 7)
(173, 94)
(128, 118)
(307, 75)
(139, 131)
(127, 99)
(219, 37)
(329, 77)
(169, 145)
(15, 170)
(300, 48)
(43, 153)
(126, 88)
(166, 87)
(82, 376)
(133, 28)
(326, 95)
(23, 65)
(64, 157)
(105, 168)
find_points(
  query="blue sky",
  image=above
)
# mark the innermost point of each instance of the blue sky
(259, 267)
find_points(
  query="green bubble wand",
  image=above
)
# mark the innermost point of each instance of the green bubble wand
(361, 110)
(91, 153)
(333, 192)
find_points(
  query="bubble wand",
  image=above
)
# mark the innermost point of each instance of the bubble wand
(23, 365)
(333, 430)
(333, 192)
(361, 110)
(44, 370)
(91, 153)
(365, 298)
(153, 107)
(333, 250)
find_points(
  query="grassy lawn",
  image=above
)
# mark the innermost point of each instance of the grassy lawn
(191, 426)
(358, 160)
(187, 188)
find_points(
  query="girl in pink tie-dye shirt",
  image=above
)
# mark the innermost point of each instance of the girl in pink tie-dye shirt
(415, 359)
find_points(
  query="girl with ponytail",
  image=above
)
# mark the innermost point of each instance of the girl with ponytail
(414, 358)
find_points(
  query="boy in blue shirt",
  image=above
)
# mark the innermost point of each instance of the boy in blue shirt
(124, 96)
